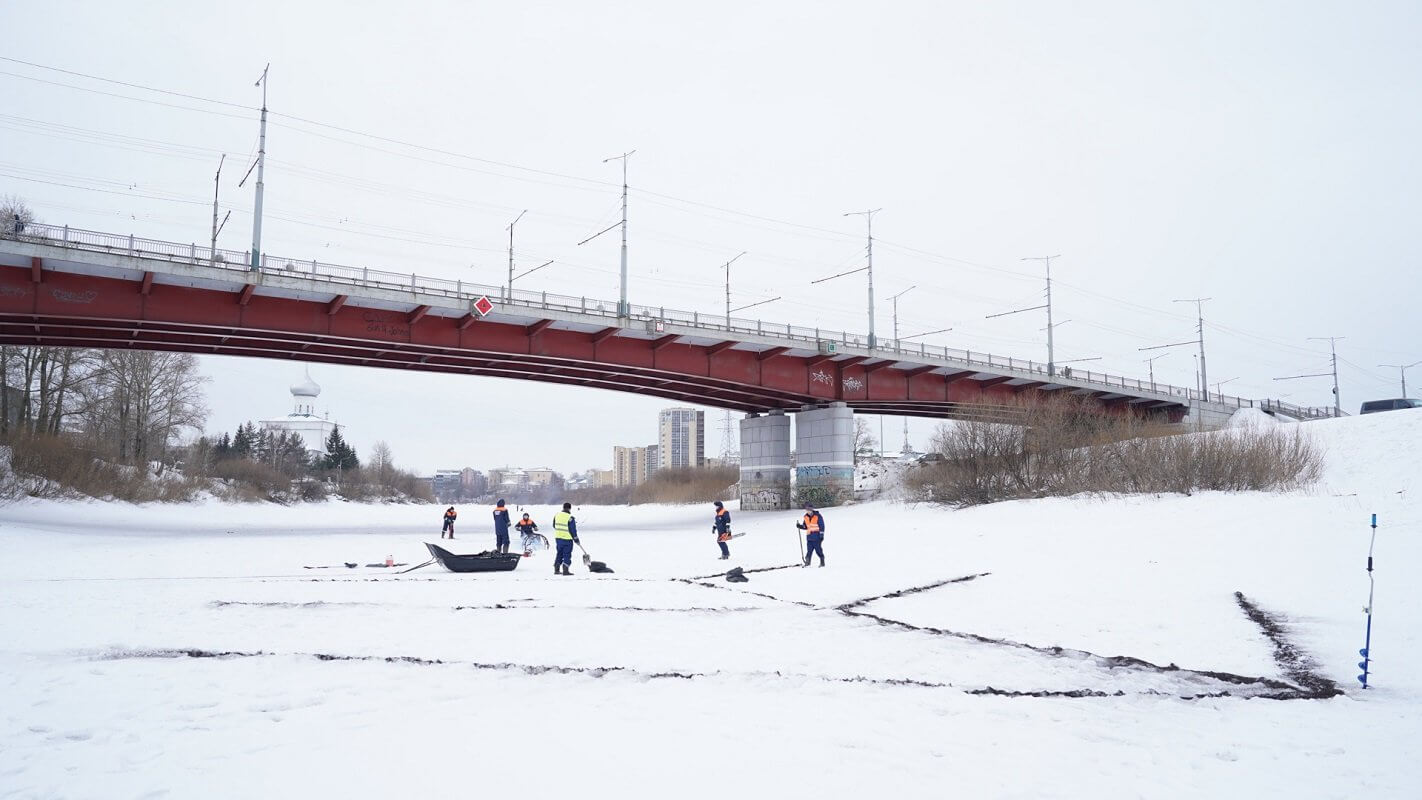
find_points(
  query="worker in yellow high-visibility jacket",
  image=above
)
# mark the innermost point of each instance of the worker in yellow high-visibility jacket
(565, 535)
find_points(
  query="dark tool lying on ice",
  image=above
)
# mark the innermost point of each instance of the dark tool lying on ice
(593, 566)
(737, 575)
(487, 561)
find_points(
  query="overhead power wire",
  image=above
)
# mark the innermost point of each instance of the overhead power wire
(583, 182)
(124, 96)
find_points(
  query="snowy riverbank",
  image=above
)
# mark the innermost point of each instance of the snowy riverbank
(652, 680)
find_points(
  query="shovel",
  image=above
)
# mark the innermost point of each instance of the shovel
(587, 559)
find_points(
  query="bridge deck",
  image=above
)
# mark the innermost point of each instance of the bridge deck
(89, 289)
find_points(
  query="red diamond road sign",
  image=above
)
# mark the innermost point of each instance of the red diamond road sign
(483, 306)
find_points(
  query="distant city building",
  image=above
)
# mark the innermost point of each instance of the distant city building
(603, 477)
(654, 453)
(472, 482)
(447, 485)
(507, 479)
(629, 465)
(681, 438)
(302, 419)
(516, 478)
(541, 476)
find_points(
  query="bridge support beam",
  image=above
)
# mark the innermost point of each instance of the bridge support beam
(765, 462)
(824, 455)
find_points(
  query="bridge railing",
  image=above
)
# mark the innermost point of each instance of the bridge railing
(814, 338)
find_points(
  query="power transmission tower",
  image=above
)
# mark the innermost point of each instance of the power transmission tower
(728, 441)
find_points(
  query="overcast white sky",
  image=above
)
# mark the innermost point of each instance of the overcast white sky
(1264, 154)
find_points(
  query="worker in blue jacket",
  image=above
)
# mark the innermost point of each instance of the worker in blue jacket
(721, 526)
(814, 527)
(501, 527)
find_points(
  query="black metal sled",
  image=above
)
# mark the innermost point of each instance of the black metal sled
(478, 562)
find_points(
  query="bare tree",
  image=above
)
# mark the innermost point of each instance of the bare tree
(14, 213)
(140, 401)
(41, 386)
(382, 463)
(864, 442)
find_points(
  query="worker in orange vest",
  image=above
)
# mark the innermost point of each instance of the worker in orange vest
(449, 516)
(721, 526)
(526, 527)
(814, 527)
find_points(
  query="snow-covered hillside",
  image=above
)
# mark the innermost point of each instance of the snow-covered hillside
(1051, 648)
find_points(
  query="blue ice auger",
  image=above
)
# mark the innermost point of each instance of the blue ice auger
(1368, 609)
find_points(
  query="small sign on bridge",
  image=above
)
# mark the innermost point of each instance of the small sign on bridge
(483, 306)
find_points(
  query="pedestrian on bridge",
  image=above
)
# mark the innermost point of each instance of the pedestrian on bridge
(501, 527)
(565, 535)
(814, 527)
(449, 516)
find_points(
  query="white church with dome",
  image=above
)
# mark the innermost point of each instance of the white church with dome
(303, 419)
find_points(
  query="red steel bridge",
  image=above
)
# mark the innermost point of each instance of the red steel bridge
(61, 286)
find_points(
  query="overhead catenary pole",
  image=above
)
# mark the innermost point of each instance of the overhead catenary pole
(1151, 362)
(622, 308)
(869, 221)
(261, 171)
(895, 301)
(216, 187)
(1333, 373)
(1199, 302)
(1402, 370)
(1051, 351)
(727, 268)
(511, 258)
(1333, 355)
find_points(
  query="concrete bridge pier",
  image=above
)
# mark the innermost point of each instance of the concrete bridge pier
(824, 455)
(765, 462)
